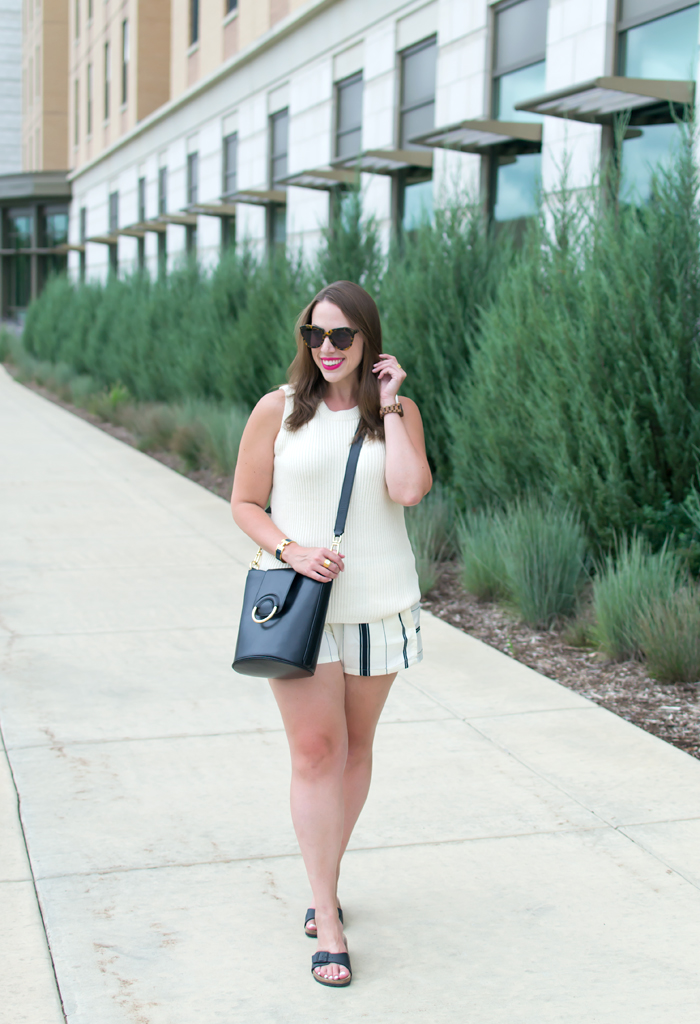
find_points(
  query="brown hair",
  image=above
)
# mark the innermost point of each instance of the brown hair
(305, 376)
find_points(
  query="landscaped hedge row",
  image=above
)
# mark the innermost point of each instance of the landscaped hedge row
(565, 367)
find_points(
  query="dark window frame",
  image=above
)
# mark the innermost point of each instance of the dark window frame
(141, 199)
(407, 108)
(339, 133)
(192, 178)
(273, 119)
(162, 189)
(661, 11)
(107, 80)
(229, 174)
(125, 61)
(89, 90)
(194, 22)
(231, 6)
(113, 212)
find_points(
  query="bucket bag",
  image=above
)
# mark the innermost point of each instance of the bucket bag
(284, 612)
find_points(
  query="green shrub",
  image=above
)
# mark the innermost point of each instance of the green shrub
(481, 541)
(626, 586)
(670, 636)
(82, 388)
(224, 428)
(430, 527)
(544, 554)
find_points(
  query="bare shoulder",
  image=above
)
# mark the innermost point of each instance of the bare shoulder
(266, 417)
(410, 409)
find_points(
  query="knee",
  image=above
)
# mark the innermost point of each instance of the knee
(359, 751)
(319, 754)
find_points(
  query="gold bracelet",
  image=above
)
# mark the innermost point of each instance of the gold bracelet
(280, 548)
(397, 407)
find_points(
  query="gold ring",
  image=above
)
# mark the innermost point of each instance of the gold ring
(327, 563)
(399, 366)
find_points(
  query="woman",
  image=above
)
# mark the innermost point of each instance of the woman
(294, 448)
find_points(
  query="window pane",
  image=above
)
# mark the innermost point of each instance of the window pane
(350, 104)
(639, 8)
(230, 163)
(416, 122)
(278, 226)
(349, 144)
(55, 229)
(419, 76)
(664, 48)
(417, 205)
(279, 127)
(517, 87)
(279, 168)
(521, 33)
(517, 185)
(20, 230)
(652, 150)
(20, 281)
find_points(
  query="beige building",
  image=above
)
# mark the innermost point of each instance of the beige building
(45, 85)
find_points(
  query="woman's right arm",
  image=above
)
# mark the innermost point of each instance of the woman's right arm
(252, 484)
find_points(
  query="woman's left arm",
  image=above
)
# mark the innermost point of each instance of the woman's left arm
(408, 476)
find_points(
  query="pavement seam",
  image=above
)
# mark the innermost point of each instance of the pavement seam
(656, 856)
(351, 850)
(33, 876)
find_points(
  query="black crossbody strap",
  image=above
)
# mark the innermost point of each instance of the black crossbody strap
(346, 491)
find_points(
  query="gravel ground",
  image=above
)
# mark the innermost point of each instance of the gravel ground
(671, 712)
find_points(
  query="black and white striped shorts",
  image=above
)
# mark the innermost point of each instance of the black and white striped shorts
(374, 648)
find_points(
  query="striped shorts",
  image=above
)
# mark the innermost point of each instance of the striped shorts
(374, 648)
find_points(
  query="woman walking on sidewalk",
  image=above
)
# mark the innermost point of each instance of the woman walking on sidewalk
(294, 450)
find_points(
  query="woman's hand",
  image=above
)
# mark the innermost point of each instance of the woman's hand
(391, 376)
(310, 562)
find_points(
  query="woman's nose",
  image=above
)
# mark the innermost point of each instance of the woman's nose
(327, 348)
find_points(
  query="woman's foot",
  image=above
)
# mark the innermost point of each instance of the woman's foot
(331, 940)
(310, 921)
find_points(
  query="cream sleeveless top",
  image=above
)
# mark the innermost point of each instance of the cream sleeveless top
(380, 576)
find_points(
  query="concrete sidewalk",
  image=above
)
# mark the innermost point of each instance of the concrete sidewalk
(525, 856)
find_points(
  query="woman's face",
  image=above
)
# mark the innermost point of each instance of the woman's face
(334, 364)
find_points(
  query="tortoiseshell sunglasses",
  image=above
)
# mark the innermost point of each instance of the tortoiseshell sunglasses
(340, 337)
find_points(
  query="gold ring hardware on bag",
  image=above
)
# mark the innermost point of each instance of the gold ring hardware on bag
(255, 564)
(335, 546)
(267, 617)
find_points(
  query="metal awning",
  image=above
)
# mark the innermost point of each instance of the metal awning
(222, 209)
(186, 219)
(134, 231)
(600, 99)
(142, 226)
(324, 178)
(67, 247)
(480, 136)
(386, 161)
(259, 196)
(103, 239)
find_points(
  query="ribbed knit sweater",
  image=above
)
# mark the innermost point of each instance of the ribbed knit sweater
(380, 576)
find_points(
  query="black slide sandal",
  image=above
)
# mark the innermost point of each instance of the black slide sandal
(311, 916)
(342, 959)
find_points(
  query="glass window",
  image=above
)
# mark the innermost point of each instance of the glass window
(107, 82)
(113, 213)
(76, 112)
(277, 226)
(519, 74)
(77, 18)
(231, 5)
(142, 199)
(230, 164)
(665, 48)
(20, 235)
(55, 226)
(194, 21)
(279, 135)
(417, 204)
(348, 133)
(418, 65)
(162, 190)
(192, 177)
(20, 229)
(89, 100)
(83, 223)
(125, 61)
(643, 10)
(521, 34)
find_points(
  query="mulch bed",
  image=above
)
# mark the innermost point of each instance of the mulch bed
(669, 711)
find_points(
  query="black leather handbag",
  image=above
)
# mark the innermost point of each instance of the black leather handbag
(284, 612)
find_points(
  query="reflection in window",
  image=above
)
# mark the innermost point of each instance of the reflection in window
(418, 67)
(55, 228)
(417, 205)
(348, 133)
(518, 75)
(664, 48)
(192, 177)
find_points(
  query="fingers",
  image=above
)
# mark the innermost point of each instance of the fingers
(324, 565)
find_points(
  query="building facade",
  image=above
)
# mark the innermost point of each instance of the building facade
(191, 125)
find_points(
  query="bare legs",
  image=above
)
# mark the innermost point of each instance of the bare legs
(330, 721)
